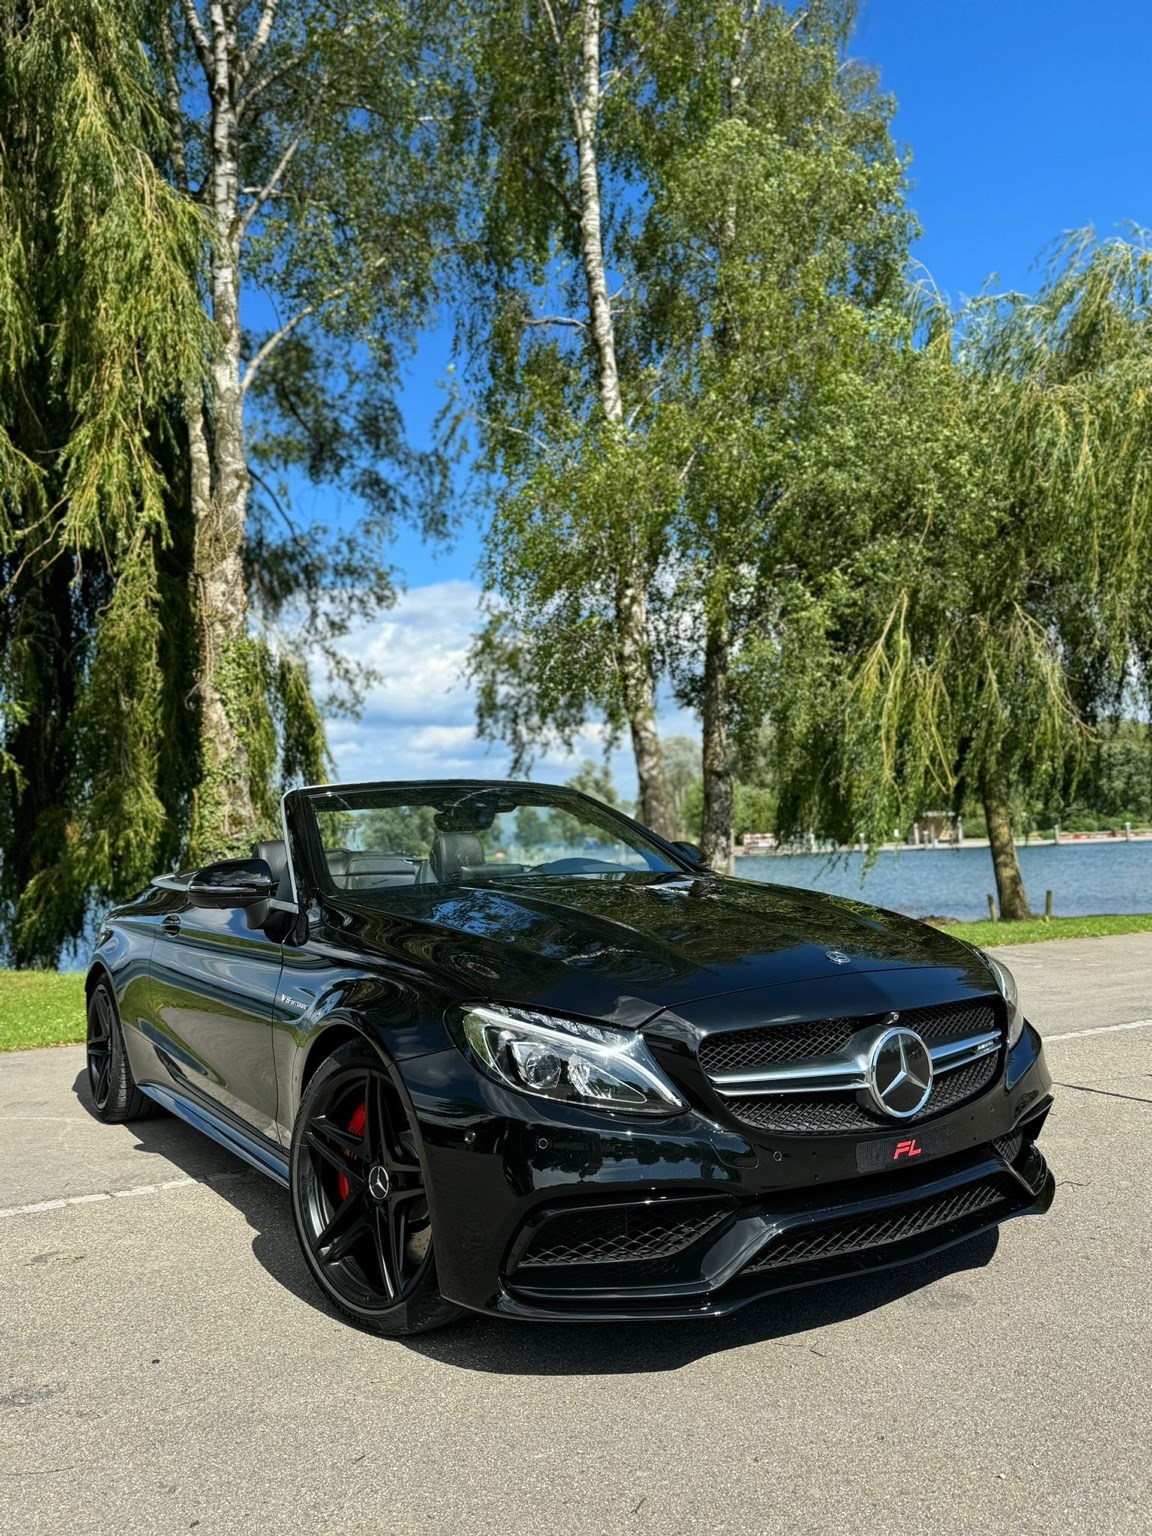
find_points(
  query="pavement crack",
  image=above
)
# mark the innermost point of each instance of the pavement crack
(1107, 1093)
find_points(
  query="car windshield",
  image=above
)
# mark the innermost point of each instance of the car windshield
(378, 839)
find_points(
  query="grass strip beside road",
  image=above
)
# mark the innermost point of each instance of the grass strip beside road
(1039, 930)
(47, 1007)
(41, 1008)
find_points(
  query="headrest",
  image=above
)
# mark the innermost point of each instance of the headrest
(451, 851)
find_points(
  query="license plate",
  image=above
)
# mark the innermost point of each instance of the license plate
(909, 1150)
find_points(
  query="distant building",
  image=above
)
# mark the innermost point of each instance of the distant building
(931, 828)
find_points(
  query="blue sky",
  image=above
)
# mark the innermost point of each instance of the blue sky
(1024, 120)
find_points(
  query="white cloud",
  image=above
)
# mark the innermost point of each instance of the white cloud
(419, 720)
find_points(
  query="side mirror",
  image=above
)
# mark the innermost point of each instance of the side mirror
(692, 854)
(232, 883)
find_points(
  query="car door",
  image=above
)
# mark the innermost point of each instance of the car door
(214, 982)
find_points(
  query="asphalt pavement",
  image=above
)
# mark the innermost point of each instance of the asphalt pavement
(166, 1365)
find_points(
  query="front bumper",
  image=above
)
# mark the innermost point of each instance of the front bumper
(543, 1210)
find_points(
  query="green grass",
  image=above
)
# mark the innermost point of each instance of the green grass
(1040, 929)
(47, 1007)
(40, 1008)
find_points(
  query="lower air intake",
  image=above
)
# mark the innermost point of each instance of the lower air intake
(621, 1234)
(853, 1234)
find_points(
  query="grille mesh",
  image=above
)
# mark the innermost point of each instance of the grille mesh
(748, 1049)
(823, 1113)
(826, 1240)
(622, 1234)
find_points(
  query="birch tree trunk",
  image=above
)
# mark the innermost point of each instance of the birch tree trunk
(633, 635)
(1005, 863)
(225, 817)
(716, 763)
(716, 820)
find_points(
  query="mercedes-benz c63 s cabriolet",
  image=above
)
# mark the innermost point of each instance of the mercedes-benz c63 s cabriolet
(510, 1051)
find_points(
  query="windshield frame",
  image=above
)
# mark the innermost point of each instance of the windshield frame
(308, 865)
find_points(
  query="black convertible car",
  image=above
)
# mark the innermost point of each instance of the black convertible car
(510, 1051)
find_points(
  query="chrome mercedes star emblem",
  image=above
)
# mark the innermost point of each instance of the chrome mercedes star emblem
(900, 1073)
(837, 957)
(378, 1182)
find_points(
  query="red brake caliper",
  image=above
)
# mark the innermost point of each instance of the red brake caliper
(356, 1126)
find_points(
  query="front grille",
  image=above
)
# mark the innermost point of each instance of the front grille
(828, 1239)
(846, 1111)
(747, 1050)
(819, 1113)
(622, 1234)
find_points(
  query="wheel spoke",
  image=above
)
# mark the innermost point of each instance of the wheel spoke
(101, 1091)
(336, 1136)
(382, 1238)
(409, 1192)
(398, 1230)
(342, 1163)
(376, 1120)
(341, 1246)
(104, 1014)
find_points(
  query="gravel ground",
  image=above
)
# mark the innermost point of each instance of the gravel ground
(165, 1364)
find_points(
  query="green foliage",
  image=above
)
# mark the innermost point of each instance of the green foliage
(100, 329)
(346, 206)
(753, 809)
(595, 779)
(754, 220)
(977, 596)
(106, 261)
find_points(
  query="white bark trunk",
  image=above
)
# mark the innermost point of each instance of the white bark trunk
(226, 816)
(633, 641)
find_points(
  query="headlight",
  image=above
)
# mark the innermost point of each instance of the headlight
(1008, 991)
(577, 1063)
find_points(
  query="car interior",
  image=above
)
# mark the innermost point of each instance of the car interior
(454, 857)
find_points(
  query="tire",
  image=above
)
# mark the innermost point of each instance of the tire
(115, 1096)
(359, 1199)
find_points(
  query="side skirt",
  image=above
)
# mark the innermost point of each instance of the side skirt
(253, 1149)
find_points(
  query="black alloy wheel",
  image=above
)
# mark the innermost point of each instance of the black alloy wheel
(115, 1096)
(359, 1198)
(100, 1025)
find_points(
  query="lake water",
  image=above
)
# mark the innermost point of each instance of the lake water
(1084, 878)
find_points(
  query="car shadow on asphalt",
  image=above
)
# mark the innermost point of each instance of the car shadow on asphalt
(501, 1347)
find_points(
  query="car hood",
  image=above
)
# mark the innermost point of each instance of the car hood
(621, 950)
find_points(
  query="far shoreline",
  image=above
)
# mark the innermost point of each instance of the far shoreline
(1067, 840)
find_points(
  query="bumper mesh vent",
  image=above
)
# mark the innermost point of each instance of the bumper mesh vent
(621, 1234)
(827, 1240)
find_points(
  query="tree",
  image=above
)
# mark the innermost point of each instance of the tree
(100, 332)
(571, 551)
(773, 251)
(978, 594)
(682, 763)
(596, 779)
(151, 704)
(757, 229)
(305, 131)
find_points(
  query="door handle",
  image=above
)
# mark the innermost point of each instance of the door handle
(171, 923)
